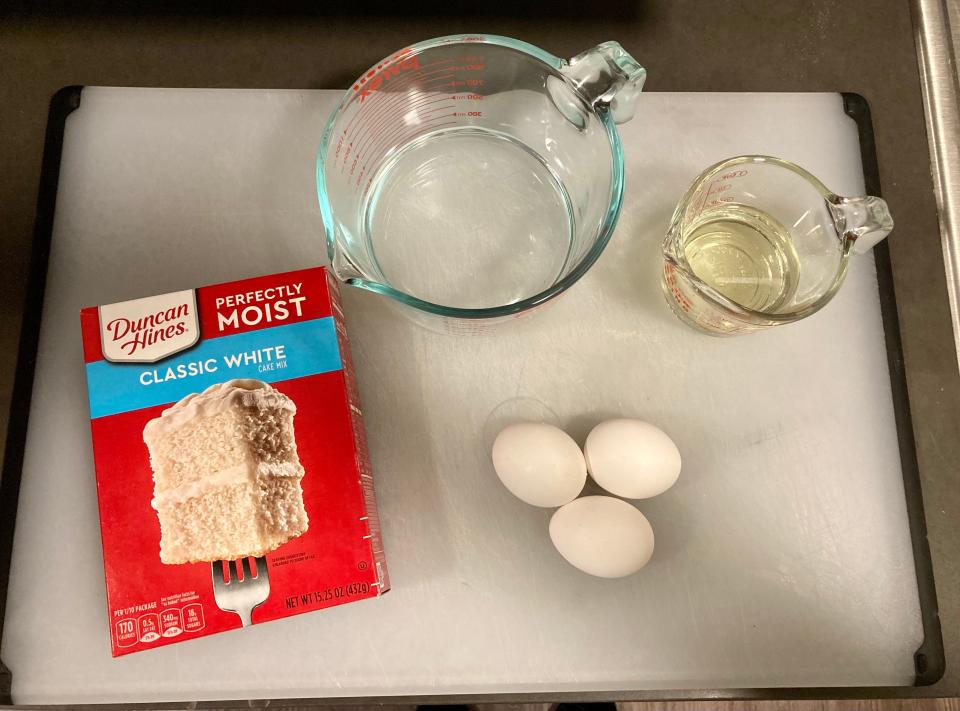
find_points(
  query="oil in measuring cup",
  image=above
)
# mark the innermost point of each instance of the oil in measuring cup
(744, 254)
(758, 242)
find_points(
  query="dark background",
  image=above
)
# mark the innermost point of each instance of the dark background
(686, 45)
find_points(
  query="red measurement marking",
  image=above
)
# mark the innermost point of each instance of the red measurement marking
(395, 85)
(365, 129)
(393, 107)
(410, 78)
(671, 280)
(734, 174)
(387, 100)
(681, 300)
(389, 106)
(436, 83)
(373, 70)
(397, 136)
(393, 136)
(374, 130)
(433, 126)
(370, 132)
(382, 101)
(703, 200)
(421, 112)
(467, 82)
(409, 66)
(385, 107)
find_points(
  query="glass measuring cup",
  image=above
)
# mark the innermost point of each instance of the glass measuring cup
(758, 242)
(475, 177)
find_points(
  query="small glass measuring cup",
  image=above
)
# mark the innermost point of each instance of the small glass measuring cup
(475, 177)
(758, 242)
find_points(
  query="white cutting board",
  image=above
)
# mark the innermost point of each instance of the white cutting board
(783, 556)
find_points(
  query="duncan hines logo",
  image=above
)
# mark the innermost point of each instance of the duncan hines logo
(151, 329)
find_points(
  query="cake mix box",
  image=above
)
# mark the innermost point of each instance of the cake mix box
(232, 472)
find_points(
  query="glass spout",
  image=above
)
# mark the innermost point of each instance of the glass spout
(865, 220)
(608, 76)
(342, 267)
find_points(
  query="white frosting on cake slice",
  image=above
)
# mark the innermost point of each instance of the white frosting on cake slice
(242, 391)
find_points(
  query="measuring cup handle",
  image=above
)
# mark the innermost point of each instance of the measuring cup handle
(607, 76)
(866, 220)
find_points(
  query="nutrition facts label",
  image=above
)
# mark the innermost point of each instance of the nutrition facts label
(151, 626)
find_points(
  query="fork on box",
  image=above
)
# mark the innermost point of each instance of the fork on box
(240, 595)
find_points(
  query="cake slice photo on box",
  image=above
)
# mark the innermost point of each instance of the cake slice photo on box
(226, 474)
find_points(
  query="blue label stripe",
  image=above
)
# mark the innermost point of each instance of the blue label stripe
(308, 347)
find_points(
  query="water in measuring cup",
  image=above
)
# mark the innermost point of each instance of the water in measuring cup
(745, 254)
(469, 218)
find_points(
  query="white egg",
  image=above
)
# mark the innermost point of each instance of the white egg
(602, 536)
(539, 463)
(632, 458)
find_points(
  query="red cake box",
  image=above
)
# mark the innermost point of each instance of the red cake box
(233, 478)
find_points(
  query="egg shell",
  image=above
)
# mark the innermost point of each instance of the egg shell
(632, 458)
(602, 536)
(539, 463)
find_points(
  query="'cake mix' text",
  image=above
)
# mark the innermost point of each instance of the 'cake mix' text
(147, 330)
(262, 306)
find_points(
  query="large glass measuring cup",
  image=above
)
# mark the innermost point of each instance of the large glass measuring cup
(759, 242)
(474, 177)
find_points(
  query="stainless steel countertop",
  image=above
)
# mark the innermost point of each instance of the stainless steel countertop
(937, 26)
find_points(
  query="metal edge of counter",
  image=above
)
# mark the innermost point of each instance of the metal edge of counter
(940, 88)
